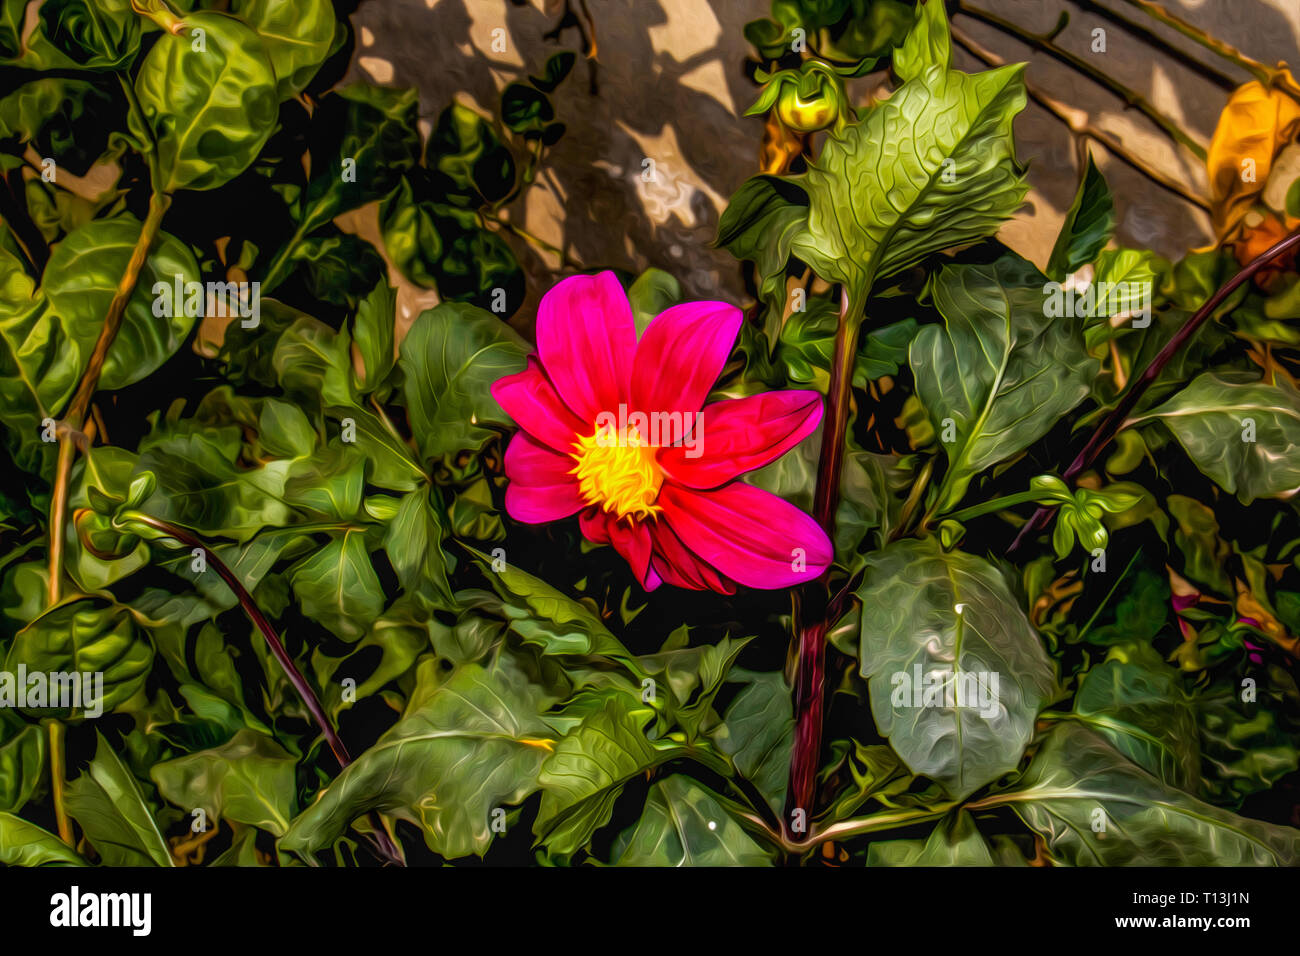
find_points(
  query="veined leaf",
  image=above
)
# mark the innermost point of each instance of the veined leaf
(106, 800)
(1088, 225)
(1093, 807)
(1244, 435)
(683, 824)
(931, 167)
(956, 673)
(297, 34)
(998, 370)
(26, 844)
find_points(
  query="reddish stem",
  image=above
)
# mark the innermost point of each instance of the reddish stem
(810, 617)
(1109, 428)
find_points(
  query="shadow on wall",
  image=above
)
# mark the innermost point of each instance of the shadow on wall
(656, 142)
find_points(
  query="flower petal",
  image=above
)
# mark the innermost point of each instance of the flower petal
(681, 355)
(532, 401)
(678, 566)
(738, 435)
(541, 488)
(748, 534)
(631, 539)
(586, 338)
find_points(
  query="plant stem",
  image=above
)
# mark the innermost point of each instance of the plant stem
(997, 504)
(1077, 121)
(1130, 96)
(878, 821)
(1133, 28)
(58, 770)
(532, 240)
(1267, 75)
(1113, 422)
(810, 606)
(260, 621)
(74, 419)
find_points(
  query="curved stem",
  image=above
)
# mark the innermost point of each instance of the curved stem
(1113, 422)
(1128, 95)
(74, 419)
(387, 848)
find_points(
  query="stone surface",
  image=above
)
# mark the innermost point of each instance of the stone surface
(668, 86)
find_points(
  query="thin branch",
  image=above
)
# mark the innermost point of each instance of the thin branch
(267, 629)
(1149, 37)
(1101, 77)
(1115, 421)
(1077, 121)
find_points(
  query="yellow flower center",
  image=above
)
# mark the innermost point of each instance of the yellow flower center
(617, 471)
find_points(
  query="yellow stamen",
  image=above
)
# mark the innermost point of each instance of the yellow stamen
(617, 471)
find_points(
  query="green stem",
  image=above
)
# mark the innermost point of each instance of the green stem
(997, 504)
(1130, 96)
(531, 239)
(55, 730)
(878, 821)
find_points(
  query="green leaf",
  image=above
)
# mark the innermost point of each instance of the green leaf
(1245, 749)
(86, 34)
(1136, 701)
(1088, 225)
(1018, 374)
(26, 844)
(557, 68)
(683, 824)
(39, 369)
(653, 291)
(83, 637)
(1077, 781)
(297, 35)
(464, 747)
(414, 543)
(590, 765)
(82, 277)
(373, 335)
(470, 166)
(108, 804)
(928, 43)
(314, 361)
(337, 586)
(210, 109)
(883, 195)
(450, 357)
(22, 763)
(1241, 434)
(65, 119)
(249, 779)
(363, 139)
(956, 673)
(338, 267)
(757, 732)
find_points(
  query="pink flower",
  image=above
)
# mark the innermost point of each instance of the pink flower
(616, 431)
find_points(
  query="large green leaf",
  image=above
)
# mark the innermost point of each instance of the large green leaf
(337, 586)
(1088, 225)
(82, 277)
(108, 803)
(589, 768)
(464, 747)
(1093, 807)
(1136, 701)
(928, 43)
(84, 34)
(1000, 372)
(297, 35)
(249, 779)
(931, 167)
(1242, 434)
(948, 619)
(209, 99)
(84, 637)
(26, 844)
(450, 358)
(683, 824)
